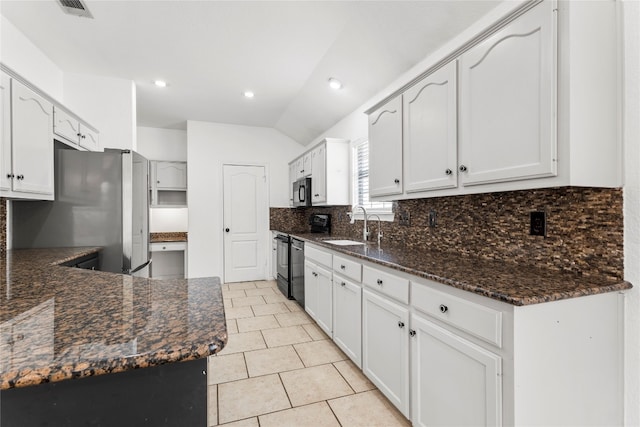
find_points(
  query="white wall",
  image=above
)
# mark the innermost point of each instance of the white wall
(209, 146)
(631, 136)
(162, 144)
(109, 104)
(22, 56)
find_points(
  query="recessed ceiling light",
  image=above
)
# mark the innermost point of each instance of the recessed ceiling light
(248, 94)
(160, 83)
(335, 83)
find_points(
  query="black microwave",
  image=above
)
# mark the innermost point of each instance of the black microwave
(302, 192)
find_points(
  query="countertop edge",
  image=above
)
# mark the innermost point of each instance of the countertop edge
(469, 287)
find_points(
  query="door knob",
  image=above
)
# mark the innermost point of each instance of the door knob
(226, 230)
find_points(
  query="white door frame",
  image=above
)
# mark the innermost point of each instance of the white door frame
(265, 239)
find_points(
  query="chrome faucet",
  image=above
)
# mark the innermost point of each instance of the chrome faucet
(379, 228)
(365, 231)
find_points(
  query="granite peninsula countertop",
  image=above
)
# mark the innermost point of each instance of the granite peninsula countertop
(58, 323)
(173, 236)
(510, 283)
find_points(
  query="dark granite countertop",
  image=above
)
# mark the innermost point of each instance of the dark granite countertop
(507, 282)
(173, 236)
(58, 322)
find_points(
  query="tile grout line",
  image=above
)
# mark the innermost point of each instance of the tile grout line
(343, 377)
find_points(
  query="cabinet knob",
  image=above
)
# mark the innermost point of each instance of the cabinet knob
(463, 168)
(400, 324)
(443, 308)
(78, 134)
(157, 182)
(379, 282)
(342, 267)
(448, 172)
(316, 195)
(343, 284)
(20, 176)
(397, 181)
(10, 176)
(164, 247)
(83, 136)
(412, 333)
(226, 230)
(315, 274)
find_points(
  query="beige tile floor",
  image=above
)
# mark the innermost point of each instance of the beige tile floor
(279, 369)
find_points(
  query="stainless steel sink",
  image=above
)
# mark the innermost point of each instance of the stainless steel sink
(343, 242)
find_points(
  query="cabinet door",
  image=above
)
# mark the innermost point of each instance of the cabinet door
(385, 348)
(32, 142)
(66, 126)
(171, 175)
(385, 149)
(324, 313)
(299, 168)
(5, 129)
(311, 289)
(455, 382)
(430, 132)
(319, 178)
(347, 318)
(90, 140)
(307, 168)
(292, 179)
(507, 102)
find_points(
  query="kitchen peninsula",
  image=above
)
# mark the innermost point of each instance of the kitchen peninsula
(117, 339)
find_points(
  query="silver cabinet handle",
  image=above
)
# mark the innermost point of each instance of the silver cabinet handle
(443, 308)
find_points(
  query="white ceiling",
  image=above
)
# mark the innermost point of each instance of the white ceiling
(212, 51)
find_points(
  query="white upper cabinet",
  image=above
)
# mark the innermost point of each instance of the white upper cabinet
(319, 178)
(430, 132)
(307, 168)
(299, 162)
(32, 143)
(385, 149)
(507, 103)
(171, 175)
(5, 128)
(73, 131)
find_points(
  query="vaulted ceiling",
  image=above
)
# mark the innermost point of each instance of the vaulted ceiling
(210, 52)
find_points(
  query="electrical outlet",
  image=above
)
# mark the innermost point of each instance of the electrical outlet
(404, 218)
(433, 218)
(538, 224)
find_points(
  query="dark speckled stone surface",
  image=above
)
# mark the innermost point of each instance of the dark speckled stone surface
(59, 322)
(507, 282)
(172, 236)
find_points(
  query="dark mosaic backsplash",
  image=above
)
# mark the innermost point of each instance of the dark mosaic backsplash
(3, 225)
(584, 227)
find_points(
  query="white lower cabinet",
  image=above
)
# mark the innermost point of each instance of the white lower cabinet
(318, 300)
(347, 318)
(454, 382)
(385, 347)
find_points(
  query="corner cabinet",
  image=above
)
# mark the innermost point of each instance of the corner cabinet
(74, 132)
(29, 145)
(507, 92)
(385, 149)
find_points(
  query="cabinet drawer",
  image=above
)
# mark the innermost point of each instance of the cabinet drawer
(389, 284)
(320, 257)
(348, 268)
(478, 320)
(168, 246)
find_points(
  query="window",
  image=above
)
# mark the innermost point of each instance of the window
(361, 184)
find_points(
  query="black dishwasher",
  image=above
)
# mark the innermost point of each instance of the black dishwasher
(297, 270)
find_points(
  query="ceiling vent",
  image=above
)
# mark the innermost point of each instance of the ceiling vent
(75, 7)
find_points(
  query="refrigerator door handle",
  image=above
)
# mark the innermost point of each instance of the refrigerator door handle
(140, 267)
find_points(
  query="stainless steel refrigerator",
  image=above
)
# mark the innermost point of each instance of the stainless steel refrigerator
(101, 199)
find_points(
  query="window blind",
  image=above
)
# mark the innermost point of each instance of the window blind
(361, 180)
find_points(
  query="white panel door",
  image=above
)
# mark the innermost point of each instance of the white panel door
(347, 318)
(66, 126)
(385, 149)
(311, 288)
(324, 313)
(455, 382)
(319, 177)
(507, 102)
(430, 139)
(32, 141)
(5, 132)
(385, 347)
(246, 222)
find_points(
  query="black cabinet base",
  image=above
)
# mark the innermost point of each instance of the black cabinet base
(174, 394)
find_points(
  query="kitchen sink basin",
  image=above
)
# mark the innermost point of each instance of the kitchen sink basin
(343, 242)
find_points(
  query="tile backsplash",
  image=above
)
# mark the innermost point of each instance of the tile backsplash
(584, 227)
(3, 225)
